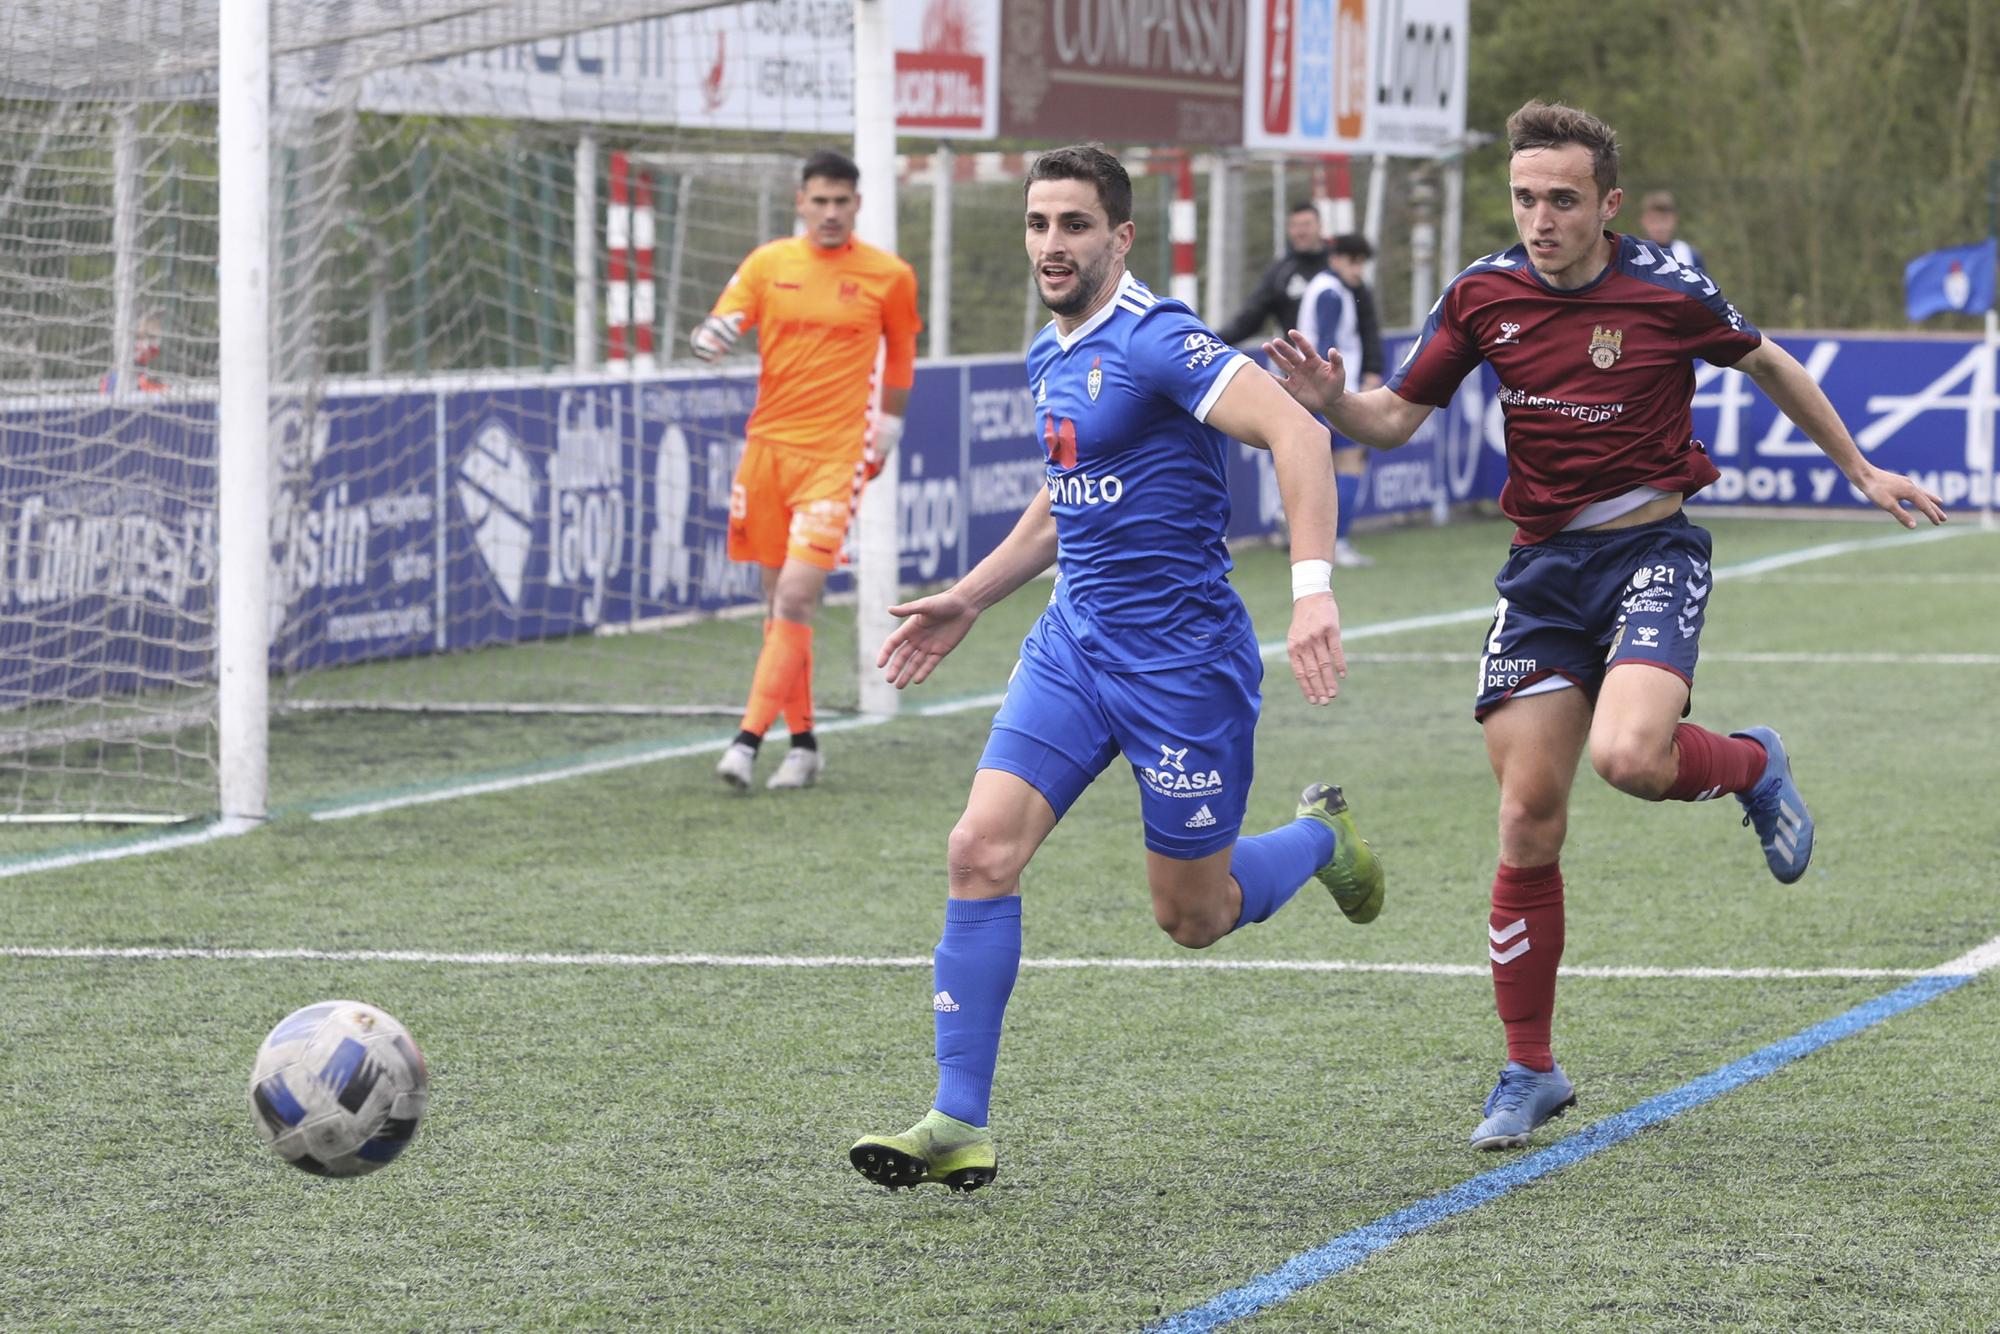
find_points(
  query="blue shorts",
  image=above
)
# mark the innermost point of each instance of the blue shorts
(1189, 733)
(1577, 604)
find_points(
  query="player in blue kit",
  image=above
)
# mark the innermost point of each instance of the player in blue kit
(1602, 599)
(1145, 650)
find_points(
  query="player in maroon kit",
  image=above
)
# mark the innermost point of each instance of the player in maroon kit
(1596, 632)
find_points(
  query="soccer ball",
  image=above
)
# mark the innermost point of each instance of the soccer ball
(338, 1088)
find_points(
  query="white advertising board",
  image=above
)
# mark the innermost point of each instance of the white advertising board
(770, 65)
(1356, 76)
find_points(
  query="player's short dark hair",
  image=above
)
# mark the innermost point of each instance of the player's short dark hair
(1354, 246)
(828, 165)
(1087, 162)
(1540, 124)
(1302, 206)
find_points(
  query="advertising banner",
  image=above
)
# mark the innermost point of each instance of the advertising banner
(1127, 71)
(354, 525)
(1915, 405)
(107, 548)
(1355, 76)
(417, 519)
(778, 65)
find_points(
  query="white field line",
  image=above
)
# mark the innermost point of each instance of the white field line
(1806, 659)
(1976, 961)
(1870, 580)
(57, 861)
(1276, 649)
(1972, 961)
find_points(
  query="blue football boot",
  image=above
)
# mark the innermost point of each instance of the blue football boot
(1522, 1100)
(1773, 804)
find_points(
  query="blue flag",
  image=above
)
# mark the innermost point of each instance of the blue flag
(1960, 279)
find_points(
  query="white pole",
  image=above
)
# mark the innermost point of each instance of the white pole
(1371, 212)
(1423, 243)
(1185, 286)
(875, 544)
(1218, 300)
(124, 244)
(941, 192)
(1452, 222)
(1280, 203)
(243, 98)
(583, 247)
(670, 334)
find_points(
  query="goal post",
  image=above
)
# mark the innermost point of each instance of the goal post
(875, 154)
(243, 413)
(373, 456)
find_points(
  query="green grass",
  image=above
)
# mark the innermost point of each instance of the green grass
(664, 1147)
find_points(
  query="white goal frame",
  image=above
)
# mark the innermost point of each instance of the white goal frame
(244, 97)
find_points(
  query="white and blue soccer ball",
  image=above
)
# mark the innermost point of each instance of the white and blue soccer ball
(338, 1089)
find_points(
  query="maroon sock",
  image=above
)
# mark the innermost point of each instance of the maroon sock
(1712, 765)
(1526, 935)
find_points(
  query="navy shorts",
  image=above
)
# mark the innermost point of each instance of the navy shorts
(1575, 605)
(1189, 733)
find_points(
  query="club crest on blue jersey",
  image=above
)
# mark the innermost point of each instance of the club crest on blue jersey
(1606, 346)
(1095, 380)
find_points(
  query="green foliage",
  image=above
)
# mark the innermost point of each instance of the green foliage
(663, 1147)
(1814, 146)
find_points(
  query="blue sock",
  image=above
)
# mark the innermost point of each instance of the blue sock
(1348, 488)
(974, 972)
(1270, 867)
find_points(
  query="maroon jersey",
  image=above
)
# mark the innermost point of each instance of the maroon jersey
(1596, 383)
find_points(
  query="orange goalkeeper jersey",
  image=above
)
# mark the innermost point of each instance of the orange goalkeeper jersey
(821, 314)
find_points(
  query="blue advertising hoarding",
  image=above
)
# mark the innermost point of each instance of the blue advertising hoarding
(107, 548)
(415, 518)
(1914, 405)
(353, 529)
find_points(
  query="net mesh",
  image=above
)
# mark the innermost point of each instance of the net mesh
(476, 500)
(496, 483)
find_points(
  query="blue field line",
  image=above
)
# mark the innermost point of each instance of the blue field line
(1350, 1249)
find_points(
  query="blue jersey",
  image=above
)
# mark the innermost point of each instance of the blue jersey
(1137, 483)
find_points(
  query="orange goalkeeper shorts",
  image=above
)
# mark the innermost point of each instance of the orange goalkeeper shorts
(789, 505)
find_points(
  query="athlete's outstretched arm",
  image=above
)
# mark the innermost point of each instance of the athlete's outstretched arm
(933, 626)
(1787, 384)
(1254, 410)
(1380, 418)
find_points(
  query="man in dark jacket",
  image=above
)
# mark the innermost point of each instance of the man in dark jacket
(1277, 296)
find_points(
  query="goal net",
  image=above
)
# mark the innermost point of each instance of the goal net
(496, 486)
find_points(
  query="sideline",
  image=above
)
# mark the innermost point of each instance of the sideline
(562, 771)
(514, 959)
(1350, 1249)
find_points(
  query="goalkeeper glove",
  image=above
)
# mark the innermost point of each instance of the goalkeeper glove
(879, 444)
(716, 335)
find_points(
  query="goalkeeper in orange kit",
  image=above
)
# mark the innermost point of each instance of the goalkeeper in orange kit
(825, 303)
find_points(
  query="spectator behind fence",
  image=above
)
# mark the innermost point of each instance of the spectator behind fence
(1658, 219)
(1278, 293)
(138, 373)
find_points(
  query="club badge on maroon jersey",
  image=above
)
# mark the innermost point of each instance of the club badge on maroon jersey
(1606, 346)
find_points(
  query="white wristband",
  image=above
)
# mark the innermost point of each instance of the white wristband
(1310, 577)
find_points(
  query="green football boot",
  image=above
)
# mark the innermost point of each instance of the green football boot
(937, 1148)
(1354, 876)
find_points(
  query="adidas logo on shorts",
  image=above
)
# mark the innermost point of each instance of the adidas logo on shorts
(943, 1003)
(1202, 818)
